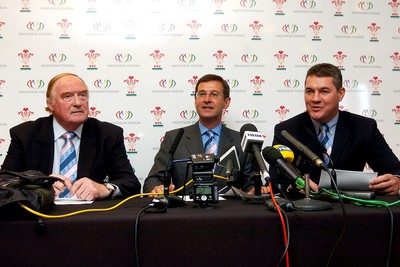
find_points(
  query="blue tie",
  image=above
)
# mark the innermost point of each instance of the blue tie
(68, 160)
(324, 140)
(211, 145)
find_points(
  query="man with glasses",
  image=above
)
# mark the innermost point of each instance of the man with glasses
(206, 136)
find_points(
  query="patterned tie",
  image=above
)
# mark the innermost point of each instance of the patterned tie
(211, 145)
(68, 161)
(324, 140)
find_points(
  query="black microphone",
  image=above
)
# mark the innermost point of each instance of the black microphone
(171, 202)
(177, 139)
(274, 157)
(315, 140)
(305, 150)
(230, 161)
(252, 141)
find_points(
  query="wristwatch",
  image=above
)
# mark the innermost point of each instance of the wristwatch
(110, 188)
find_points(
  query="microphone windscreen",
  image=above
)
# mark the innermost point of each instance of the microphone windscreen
(271, 155)
(286, 152)
(247, 127)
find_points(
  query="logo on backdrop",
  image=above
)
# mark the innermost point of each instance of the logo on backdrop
(257, 84)
(351, 85)
(188, 114)
(92, 6)
(130, 29)
(131, 84)
(25, 56)
(340, 59)
(192, 82)
(92, 57)
(132, 139)
(290, 85)
(64, 27)
(279, 7)
(370, 113)
(256, 27)
(282, 111)
(338, 7)
(250, 114)
(342, 108)
(396, 111)
(25, 6)
(1, 141)
(218, 4)
(1, 86)
(35, 26)
(93, 112)
(157, 56)
(25, 113)
(373, 29)
(375, 82)
(281, 56)
(35, 84)
(220, 57)
(394, 5)
(316, 30)
(396, 61)
(157, 112)
(194, 28)
(2, 23)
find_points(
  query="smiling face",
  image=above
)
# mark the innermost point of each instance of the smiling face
(210, 103)
(322, 98)
(69, 101)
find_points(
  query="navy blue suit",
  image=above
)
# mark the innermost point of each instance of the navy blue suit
(357, 142)
(102, 152)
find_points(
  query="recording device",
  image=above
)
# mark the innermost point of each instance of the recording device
(205, 188)
(230, 161)
(274, 157)
(252, 141)
(304, 150)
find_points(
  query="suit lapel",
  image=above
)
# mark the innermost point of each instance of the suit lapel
(45, 146)
(342, 136)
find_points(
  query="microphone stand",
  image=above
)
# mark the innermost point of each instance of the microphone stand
(309, 204)
(173, 201)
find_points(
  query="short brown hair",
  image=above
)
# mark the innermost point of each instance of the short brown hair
(214, 77)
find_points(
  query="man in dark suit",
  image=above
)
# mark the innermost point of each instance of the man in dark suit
(352, 140)
(212, 97)
(102, 168)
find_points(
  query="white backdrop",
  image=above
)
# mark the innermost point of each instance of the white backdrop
(142, 58)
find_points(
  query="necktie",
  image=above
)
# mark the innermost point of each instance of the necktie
(211, 145)
(324, 140)
(68, 160)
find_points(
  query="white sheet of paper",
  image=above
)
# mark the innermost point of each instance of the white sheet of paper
(71, 201)
(348, 180)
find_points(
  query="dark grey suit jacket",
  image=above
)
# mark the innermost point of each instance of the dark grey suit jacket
(102, 152)
(190, 144)
(357, 142)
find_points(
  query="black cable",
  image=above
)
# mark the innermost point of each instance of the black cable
(344, 218)
(136, 234)
(390, 235)
(288, 237)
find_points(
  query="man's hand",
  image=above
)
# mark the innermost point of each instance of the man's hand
(385, 184)
(59, 186)
(87, 189)
(159, 189)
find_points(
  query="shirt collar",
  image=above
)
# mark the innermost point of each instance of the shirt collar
(331, 124)
(59, 130)
(216, 130)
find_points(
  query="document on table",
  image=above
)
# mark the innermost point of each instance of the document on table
(71, 201)
(348, 180)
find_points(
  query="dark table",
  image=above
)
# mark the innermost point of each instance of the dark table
(231, 234)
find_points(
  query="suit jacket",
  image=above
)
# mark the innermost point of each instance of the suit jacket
(190, 144)
(102, 152)
(357, 142)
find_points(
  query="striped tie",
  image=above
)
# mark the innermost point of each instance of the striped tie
(211, 145)
(68, 160)
(324, 140)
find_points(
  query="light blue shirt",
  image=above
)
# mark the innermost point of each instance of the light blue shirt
(332, 128)
(216, 130)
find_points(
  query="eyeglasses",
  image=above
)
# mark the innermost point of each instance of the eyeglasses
(212, 94)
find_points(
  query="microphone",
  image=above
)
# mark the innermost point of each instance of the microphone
(230, 161)
(305, 150)
(273, 155)
(171, 201)
(252, 141)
